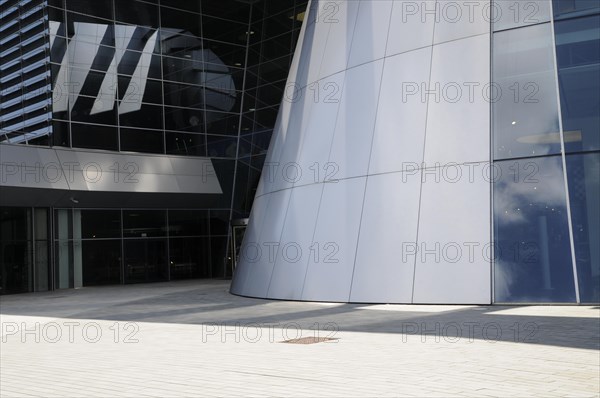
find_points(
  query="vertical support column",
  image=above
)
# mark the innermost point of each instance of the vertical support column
(77, 257)
(63, 252)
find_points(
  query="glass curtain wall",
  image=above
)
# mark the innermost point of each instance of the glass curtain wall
(139, 76)
(101, 246)
(274, 31)
(24, 250)
(545, 117)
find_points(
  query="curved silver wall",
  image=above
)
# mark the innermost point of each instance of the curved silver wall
(375, 186)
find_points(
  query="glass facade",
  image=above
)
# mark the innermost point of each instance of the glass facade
(205, 78)
(184, 78)
(546, 135)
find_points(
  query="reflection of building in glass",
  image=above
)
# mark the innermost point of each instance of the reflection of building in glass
(416, 157)
(125, 146)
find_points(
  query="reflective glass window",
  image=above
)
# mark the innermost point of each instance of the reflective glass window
(185, 22)
(222, 147)
(93, 136)
(15, 249)
(141, 140)
(532, 246)
(222, 123)
(184, 119)
(101, 262)
(96, 224)
(229, 9)
(144, 223)
(145, 260)
(184, 95)
(186, 144)
(189, 257)
(188, 222)
(225, 30)
(141, 115)
(525, 104)
(578, 57)
(136, 13)
(93, 110)
(583, 173)
(99, 8)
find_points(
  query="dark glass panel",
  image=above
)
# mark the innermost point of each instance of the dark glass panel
(224, 169)
(148, 141)
(224, 53)
(184, 119)
(176, 44)
(221, 146)
(150, 116)
(145, 260)
(186, 69)
(189, 257)
(184, 95)
(578, 57)
(86, 109)
(136, 13)
(218, 246)
(275, 25)
(583, 173)
(188, 222)
(224, 30)
(144, 223)
(533, 254)
(56, 15)
(193, 5)
(186, 144)
(260, 142)
(229, 9)
(73, 17)
(265, 119)
(98, 8)
(223, 78)
(219, 222)
(185, 22)
(95, 137)
(277, 47)
(60, 133)
(241, 187)
(15, 263)
(15, 223)
(222, 123)
(274, 70)
(270, 94)
(43, 140)
(101, 260)
(97, 224)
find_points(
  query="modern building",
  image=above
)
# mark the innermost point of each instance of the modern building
(418, 151)
(131, 133)
(434, 152)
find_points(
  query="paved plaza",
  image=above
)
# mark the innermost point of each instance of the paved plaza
(192, 338)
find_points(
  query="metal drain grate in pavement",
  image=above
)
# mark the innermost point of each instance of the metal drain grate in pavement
(309, 340)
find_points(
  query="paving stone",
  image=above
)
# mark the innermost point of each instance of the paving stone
(192, 338)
